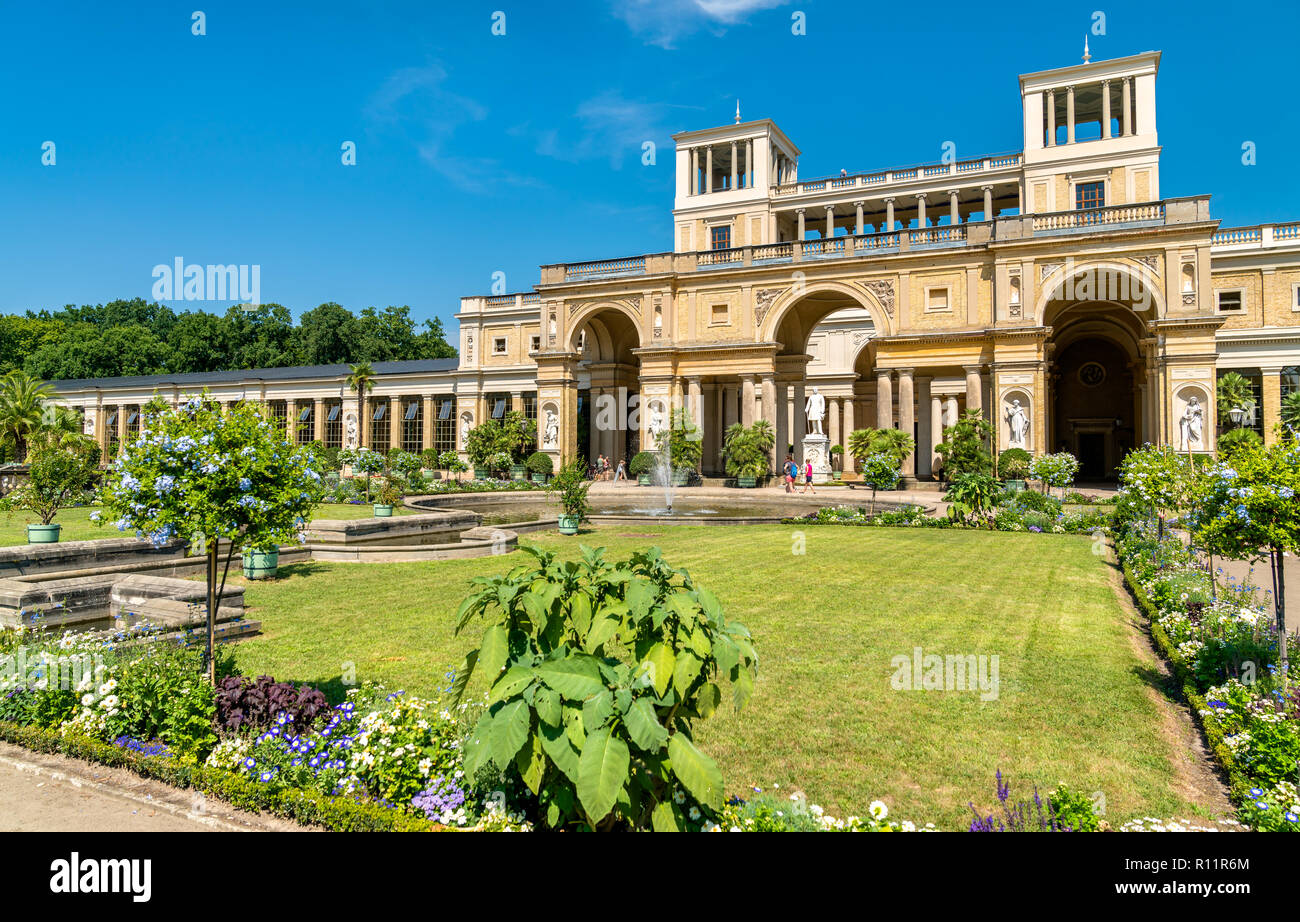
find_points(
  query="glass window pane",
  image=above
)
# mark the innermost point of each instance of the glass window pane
(444, 412)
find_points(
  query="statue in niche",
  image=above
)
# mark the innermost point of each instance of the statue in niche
(1018, 422)
(466, 421)
(815, 409)
(551, 434)
(350, 431)
(656, 425)
(1191, 423)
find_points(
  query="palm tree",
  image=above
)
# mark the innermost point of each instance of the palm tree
(1233, 391)
(22, 399)
(892, 443)
(1291, 410)
(361, 379)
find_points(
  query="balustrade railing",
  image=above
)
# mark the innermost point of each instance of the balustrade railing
(1097, 217)
(632, 265)
(1263, 235)
(901, 174)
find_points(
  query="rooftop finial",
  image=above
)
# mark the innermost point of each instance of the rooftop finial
(1086, 57)
(737, 111)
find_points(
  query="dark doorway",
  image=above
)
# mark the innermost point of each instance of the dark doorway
(1092, 456)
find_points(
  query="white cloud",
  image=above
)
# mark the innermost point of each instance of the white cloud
(662, 22)
(608, 126)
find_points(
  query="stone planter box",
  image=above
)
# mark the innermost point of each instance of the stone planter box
(43, 534)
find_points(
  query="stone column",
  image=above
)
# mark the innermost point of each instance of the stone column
(1050, 102)
(936, 431)
(800, 419)
(747, 400)
(799, 212)
(830, 221)
(517, 401)
(427, 421)
(735, 168)
(833, 419)
(906, 417)
(925, 406)
(730, 413)
(954, 213)
(920, 210)
(721, 425)
(694, 407)
(1271, 392)
(291, 421)
(849, 465)
(318, 419)
(889, 215)
(708, 169)
(123, 433)
(768, 383)
(974, 388)
(950, 416)
(884, 400)
(1126, 100)
(1105, 108)
(749, 166)
(1069, 115)
(782, 422)
(858, 226)
(394, 422)
(988, 202)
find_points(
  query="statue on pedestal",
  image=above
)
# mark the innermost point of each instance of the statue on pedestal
(815, 410)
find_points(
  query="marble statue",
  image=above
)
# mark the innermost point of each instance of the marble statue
(465, 421)
(350, 439)
(656, 422)
(1191, 422)
(551, 434)
(1018, 422)
(815, 409)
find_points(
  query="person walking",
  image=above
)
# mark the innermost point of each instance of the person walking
(790, 470)
(807, 477)
(621, 473)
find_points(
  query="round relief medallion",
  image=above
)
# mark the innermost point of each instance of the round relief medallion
(1091, 374)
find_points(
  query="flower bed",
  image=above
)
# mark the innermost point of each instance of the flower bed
(1003, 518)
(1223, 648)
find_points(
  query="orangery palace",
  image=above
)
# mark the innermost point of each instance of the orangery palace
(1056, 288)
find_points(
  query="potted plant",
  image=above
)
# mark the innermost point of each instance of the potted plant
(837, 462)
(368, 462)
(429, 461)
(450, 462)
(540, 466)
(572, 485)
(387, 496)
(1013, 466)
(685, 447)
(60, 470)
(641, 465)
(745, 452)
(261, 563)
(519, 436)
(500, 464)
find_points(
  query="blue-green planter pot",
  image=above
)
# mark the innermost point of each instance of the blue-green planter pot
(382, 511)
(539, 478)
(1014, 486)
(261, 564)
(643, 479)
(518, 472)
(43, 534)
(482, 473)
(569, 524)
(747, 483)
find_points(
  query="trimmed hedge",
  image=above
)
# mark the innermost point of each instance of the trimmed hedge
(340, 814)
(1238, 784)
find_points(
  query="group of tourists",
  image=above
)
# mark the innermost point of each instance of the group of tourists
(792, 473)
(601, 470)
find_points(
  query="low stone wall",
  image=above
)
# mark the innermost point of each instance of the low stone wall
(176, 603)
(106, 554)
(57, 603)
(423, 528)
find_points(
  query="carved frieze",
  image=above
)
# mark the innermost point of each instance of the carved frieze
(883, 291)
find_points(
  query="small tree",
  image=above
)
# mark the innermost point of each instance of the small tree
(451, 462)
(1055, 470)
(895, 443)
(61, 470)
(198, 474)
(746, 450)
(964, 448)
(881, 473)
(368, 463)
(971, 498)
(1013, 464)
(518, 435)
(684, 441)
(1158, 479)
(1231, 392)
(572, 485)
(1247, 509)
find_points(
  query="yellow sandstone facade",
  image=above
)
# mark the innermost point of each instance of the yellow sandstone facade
(1054, 288)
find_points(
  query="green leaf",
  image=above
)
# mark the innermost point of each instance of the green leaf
(509, 730)
(685, 671)
(658, 663)
(604, 628)
(549, 708)
(725, 652)
(597, 709)
(531, 763)
(515, 680)
(493, 651)
(742, 687)
(478, 748)
(707, 699)
(575, 677)
(461, 681)
(665, 818)
(580, 612)
(698, 773)
(644, 727)
(573, 727)
(557, 745)
(602, 772)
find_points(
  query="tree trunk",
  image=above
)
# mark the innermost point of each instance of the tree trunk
(1279, 606)
(209, 660)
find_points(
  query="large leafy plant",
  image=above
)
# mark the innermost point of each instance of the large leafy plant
(599, 671)
(61, 470)
(965, 446)
(747, 449)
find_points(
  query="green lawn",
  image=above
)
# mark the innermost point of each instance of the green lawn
(78, 527)
(1073, 705)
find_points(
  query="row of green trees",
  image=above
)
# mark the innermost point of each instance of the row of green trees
(139, 337)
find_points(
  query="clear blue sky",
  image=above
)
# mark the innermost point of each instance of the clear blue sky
(478, 153)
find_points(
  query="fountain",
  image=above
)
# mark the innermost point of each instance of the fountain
(663, 473)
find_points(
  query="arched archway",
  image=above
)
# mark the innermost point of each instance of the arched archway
(606, 338)
(797, 311)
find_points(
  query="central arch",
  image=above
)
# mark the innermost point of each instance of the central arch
(606, 337)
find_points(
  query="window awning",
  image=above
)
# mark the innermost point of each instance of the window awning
(304, 415)
(444, 411)
(412, 410)
(334, 413)
(379, 412)
(499, 409)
